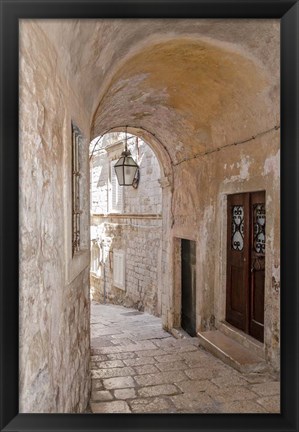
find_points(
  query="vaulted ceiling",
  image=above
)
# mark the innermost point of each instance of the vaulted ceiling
(195, 84)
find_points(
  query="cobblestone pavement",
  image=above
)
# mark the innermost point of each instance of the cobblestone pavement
(139, 368)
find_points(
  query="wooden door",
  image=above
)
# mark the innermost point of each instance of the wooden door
(237, 261)
(257, 265)
(188, 312)
(246, 262)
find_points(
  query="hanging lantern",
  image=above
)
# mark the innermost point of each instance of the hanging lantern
(126, 167)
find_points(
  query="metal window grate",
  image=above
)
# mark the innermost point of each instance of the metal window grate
(76, 175)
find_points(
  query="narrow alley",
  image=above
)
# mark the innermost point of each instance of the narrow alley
(137, 367)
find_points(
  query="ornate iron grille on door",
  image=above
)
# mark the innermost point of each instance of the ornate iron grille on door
(238, 227)
(259, 216)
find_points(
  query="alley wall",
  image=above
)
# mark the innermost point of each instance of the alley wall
(54, 285)
(133, 228)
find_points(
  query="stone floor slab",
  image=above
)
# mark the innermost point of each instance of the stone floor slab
(199, 373)
(128, 393)
(227, 381)
(230, 394)
(193, 386)
(244, 407)
(99, 358)
(171, 366)
(151, 353)
(160, 378)
(118, 382)
(257, 378)
(270, 403)
(96, 384)
(267, 388)
(152, 405)
(113, 372)
(110, 407)
(188, 403)
(141, 361)
(121, 356)
(102, 395)
(110, 364)
(158, 390)
(166, 358)
(147, 370)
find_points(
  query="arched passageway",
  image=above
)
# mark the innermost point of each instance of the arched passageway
(126, 225)
(205, 95)
(210, 108)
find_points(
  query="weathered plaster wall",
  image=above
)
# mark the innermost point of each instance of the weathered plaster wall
(246, 167)
(54, 298)
(137, 231)
(140, 239)
(192, 87)
(212, 101)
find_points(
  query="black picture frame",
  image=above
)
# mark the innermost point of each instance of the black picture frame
(11, 11)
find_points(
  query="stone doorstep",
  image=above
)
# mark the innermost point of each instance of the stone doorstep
(231, 352)
(242, 338)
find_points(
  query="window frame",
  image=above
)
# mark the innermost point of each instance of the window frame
(115, 209)
(77, 140)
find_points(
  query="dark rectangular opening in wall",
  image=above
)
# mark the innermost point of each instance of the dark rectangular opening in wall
(188, 275)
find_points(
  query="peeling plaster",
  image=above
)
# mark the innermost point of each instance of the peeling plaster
(244, 166)
(272, 165)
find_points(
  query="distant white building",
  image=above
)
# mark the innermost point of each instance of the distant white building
(126, 226)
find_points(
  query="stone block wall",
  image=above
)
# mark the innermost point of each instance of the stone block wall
(54, 350)
(99, 183)
(137, 232)
(147, 198)
(142, 245)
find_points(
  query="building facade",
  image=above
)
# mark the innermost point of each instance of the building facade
(126, 228)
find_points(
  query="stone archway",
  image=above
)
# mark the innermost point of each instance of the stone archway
(205, 95)
(204, 100)
(166, 183)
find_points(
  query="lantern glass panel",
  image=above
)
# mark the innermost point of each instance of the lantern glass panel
(125, 170)
(119, 171)
(130, 170)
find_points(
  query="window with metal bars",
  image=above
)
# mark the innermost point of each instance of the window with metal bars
(76, 175)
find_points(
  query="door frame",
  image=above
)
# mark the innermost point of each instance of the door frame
(177, 283)
(243, 259)
(252, 185)
(188, 315)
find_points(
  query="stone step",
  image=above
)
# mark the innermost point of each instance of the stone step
(242, 338)
(231, 352)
